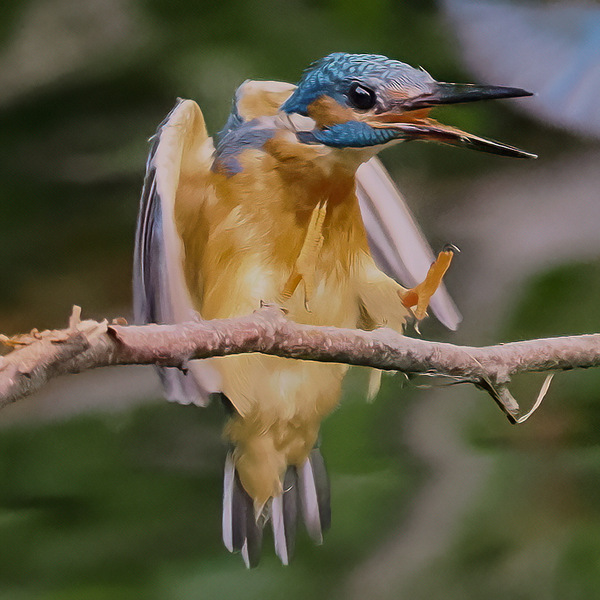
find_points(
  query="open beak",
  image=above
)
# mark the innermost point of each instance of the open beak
(409, 116)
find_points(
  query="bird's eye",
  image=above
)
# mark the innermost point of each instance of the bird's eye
(361, 97)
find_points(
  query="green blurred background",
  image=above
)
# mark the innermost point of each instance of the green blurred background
(108, 492)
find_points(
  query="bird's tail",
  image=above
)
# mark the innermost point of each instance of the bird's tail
(305, 491)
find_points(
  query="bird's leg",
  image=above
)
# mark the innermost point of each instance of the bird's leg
(304, 269)
(421, 294)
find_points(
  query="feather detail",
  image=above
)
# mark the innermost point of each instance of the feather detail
(160, 291)
(315, 496)
(284, 517)
(254, 534)
(228, 511)
(241, 532)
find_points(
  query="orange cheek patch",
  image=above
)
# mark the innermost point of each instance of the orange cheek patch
(325, 112)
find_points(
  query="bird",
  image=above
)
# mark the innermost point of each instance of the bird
(289, 205)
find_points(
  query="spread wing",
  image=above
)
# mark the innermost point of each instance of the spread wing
(396, 242)
(159, 290)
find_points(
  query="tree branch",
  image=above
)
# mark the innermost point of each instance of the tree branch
(39, 356)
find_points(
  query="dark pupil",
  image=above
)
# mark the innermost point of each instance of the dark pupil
(361, 97)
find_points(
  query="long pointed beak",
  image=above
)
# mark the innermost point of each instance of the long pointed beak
(409, 117)
(457, 93)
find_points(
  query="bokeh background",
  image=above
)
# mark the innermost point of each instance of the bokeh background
(108, 492)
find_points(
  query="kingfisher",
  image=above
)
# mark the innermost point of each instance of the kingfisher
(289, 205)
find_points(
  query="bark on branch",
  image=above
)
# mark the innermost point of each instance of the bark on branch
(39, 356)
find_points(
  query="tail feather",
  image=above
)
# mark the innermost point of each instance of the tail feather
(241, 505)
(228, 511)
(284, 517)
(240, 530)
(305, 490)
(323, 488)
(315, 496)
(254, 533)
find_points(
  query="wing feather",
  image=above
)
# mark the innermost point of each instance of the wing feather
(159, 290)
(395, 240)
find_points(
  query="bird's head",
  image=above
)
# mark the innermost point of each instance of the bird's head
(366, 101)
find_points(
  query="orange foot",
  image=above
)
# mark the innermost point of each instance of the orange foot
(420, 295)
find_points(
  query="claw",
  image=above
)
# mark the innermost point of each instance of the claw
(421, 294)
